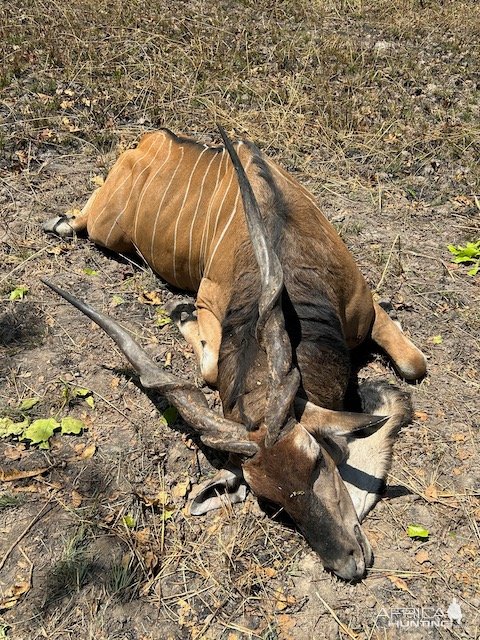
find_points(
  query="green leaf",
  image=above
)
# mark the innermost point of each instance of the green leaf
(28, 403)
(128, 520)
(474, 270)
(417, 531)
(80, 392)
(116, 301)
(90, 272)
(168, 417)
(10, 428)
(437, 339)
(72, 425)
(468, 253)
(18, 293)
(167, 513)
(85, 394)
(162, 318)
(40, 430)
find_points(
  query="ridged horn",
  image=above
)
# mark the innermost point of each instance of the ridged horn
(214, 430)
(283, 380)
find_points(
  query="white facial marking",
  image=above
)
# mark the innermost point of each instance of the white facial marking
(306, 443)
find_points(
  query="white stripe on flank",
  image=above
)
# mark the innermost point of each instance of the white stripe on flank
(214, 156)
(130, 192)
(229, 222)
(147, 186)
(206, 224)
(154, 231)
(180, 213)
(117, 165)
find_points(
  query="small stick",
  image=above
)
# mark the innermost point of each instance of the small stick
(397, 237)
(24, 532)
(342, 626)
(19, 266)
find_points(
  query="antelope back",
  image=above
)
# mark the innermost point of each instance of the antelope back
(177, 203)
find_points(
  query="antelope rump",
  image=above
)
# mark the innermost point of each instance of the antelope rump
(280, 302)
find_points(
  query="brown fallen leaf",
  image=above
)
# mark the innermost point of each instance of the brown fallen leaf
(88, 452)
(13, 594)
(283, 601)
(13, 453)
(464, 454)
(180, 489)
(421, 415)
(97, 180)
(142, 536)
(422, 556)
(150, 297)
(431, 493)
(150, 560)
(16, 474)
(286, 623)
(400, 584)
(77, 499)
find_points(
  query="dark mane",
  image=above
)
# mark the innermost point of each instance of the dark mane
(318, 345)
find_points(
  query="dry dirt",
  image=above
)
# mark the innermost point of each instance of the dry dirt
(95, 542)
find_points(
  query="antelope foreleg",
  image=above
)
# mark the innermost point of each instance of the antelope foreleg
(203, 332)
(407, 358)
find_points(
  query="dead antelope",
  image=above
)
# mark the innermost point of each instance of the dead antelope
(280, 300)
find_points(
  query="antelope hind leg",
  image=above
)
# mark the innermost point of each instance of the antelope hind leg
(67, 226)
(407, 358)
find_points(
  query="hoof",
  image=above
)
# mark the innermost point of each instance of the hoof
(59, 226)
(181, 312)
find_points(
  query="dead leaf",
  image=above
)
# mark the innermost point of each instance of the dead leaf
(180, 489)
(98, 181)
(421, 415)
(11, 476)
(270, 572)
(150, 560)
(431, 493)
(463, 200)
(400, 584)
(168, 359)
(422, 556)
(150, 297)
(14, 593)
(13, 453)
(142, 536)
(88, 452)
(463, 454)
(77, 499)
(282, 600)
(286, 623)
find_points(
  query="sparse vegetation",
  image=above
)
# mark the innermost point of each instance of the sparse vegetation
(374, 105)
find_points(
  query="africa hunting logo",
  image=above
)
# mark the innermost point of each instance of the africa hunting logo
(421, 617)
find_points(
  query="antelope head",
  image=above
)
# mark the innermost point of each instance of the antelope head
(293, 458)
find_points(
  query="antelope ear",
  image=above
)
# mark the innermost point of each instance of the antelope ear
(325, 423)
(226, 487)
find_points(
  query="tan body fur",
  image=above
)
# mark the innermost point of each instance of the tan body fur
(177, 203)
